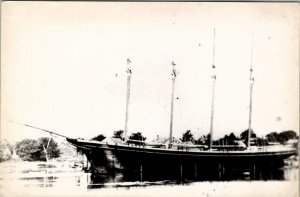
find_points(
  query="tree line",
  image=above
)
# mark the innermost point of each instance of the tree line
(231, 139)
(41, 149)
(228, 139)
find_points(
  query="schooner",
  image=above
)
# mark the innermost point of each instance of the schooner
(108, 157)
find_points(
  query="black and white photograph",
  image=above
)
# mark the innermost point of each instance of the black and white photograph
(149, 99)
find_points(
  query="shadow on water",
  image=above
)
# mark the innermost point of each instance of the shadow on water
(135, 178)
(40, 175)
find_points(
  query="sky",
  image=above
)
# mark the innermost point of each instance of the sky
(63, 67)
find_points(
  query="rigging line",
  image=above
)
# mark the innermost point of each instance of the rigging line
(27, 125)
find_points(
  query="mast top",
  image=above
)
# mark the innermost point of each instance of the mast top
(174, 73)
(129, 72)
(213, 62)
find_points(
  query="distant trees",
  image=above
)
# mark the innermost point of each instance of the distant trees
(99, 138)
(228, 140)
(187, 136)
(232, 138)
(118, 134)
(37, 150)
(5, 151)
(244, 135)
(29, 150)
(258, 141)
(261, 141)
(290, 134)
(50, 148)
(281, 137)
(137, 136)
(273, 137)
(203, 140)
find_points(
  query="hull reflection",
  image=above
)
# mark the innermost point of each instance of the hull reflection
(133, 178)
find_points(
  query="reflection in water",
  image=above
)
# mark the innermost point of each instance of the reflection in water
(133, 177)
(63, 175)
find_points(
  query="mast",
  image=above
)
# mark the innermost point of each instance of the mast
(173, 74)
(128, 71)
(213, 95)
(251, 90)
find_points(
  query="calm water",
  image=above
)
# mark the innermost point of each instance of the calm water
(19, 178)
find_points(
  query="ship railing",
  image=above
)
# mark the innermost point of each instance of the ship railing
(189, 147)
(136, 143)
(227, 148)
(176, 146)
(271, 148)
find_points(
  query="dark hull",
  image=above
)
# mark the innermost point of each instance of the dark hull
(174, 164)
